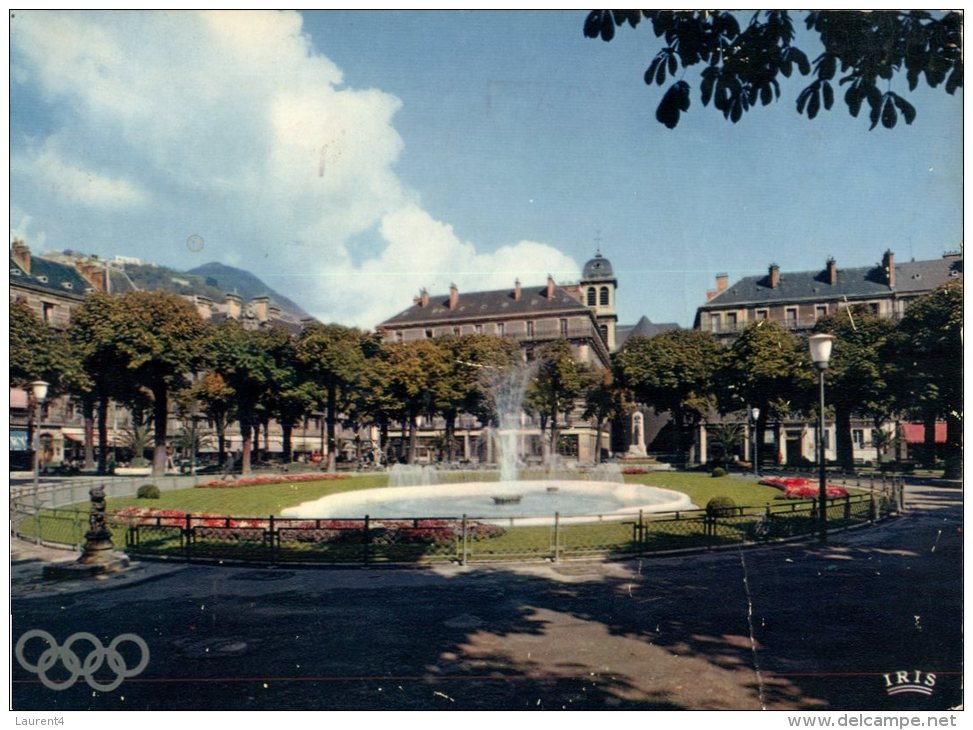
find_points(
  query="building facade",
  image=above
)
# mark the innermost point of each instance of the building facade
(797, 300)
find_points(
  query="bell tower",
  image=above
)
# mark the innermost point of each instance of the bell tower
(597, 287)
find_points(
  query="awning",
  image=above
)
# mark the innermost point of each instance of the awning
(18, 439)
(915, 433)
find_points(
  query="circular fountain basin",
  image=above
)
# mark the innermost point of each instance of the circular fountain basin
(573, 501)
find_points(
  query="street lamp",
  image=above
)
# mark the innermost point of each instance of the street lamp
(755, 412)
(820, 346)
(38, 390)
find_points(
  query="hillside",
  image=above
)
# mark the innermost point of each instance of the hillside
(213, 280)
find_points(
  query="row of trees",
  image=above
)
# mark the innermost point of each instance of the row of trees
(879, 370)
(153, 353)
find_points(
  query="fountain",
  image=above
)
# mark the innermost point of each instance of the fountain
(601, 493)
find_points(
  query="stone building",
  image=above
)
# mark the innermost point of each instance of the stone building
(797, 300)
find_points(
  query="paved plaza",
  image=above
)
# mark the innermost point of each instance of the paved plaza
(788, 627)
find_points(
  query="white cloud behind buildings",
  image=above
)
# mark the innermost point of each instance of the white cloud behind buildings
(151, 127)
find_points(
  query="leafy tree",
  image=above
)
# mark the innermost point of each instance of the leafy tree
(673, 371)
(765, 367)
(725, 437)
(155, 338)
(856, 376)
(333, 358)
(469, 361)
(604, 401)
(370, 399)
(414, 368)
(291, 394)
(558, 382)
(243, 364)
(741, 66)
(218, 401)
(928, 350)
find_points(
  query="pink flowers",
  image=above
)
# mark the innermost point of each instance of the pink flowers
(255, 481)
(801, 488)
(635, 470)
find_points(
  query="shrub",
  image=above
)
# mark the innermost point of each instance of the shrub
(721, 507)
(718, 472)
(148, 491)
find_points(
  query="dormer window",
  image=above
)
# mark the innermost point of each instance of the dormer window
(42, 279)
(14, 272)
(67, 285)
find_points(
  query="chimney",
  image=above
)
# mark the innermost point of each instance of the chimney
(774, 275)
(94, 273)
(832, 268)
(888, 263)
(550, 286)
(21, 255)
(261, 305)
(453, 296)
(423, 298)
(722, 281)
(233, 305)
(516, 289)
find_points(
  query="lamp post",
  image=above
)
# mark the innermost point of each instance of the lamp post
(755, 413)
(820, 347)
(38, 390)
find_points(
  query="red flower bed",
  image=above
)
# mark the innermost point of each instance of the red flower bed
(635, 470)
(255, 481)
(801, 488)
(324, 530)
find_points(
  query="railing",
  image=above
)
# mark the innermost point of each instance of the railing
(367, 540)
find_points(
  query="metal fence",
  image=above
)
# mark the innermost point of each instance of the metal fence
(366, 540)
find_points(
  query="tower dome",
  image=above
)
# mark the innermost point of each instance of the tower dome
(597, 268)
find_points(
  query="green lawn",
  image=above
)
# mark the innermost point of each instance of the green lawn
(267, 499)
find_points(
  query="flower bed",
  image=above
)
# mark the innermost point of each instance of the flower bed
(310, 531)
(635, 470)
(256, 481)
(801, 488)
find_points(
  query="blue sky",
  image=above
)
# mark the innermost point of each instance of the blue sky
(350, 158)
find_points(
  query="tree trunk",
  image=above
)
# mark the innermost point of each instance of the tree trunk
(761, 430)
(265, 422)
(954, 447)
(220, 439)
(288, 454)
(245, 433)
(929, 439)
(88, 410)
(600, 424)
(255, 448)
(843, 442)
(413, 438)
(553, 429)
(103, 435)
(160, 415)
(332, 443)
(450, 432)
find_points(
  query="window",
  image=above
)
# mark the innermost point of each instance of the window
(603, 328)
(761, 314)
(603, 296)
(48, 312)
(530, 328)
(428, 334)
(820, 310)
(456, 330)
(501, 329)
(873, 306)
(858, 437)
(731, 322)
(478, 329)
(591, 297)
(714, 322)
(790, 316)
(398, 336)
(564, 328)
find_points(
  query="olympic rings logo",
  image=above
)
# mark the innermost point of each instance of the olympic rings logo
(87, 668)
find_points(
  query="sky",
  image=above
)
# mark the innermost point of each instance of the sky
(350, 158)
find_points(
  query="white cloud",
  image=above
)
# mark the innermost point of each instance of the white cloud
(70, 182)
(236, 129)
